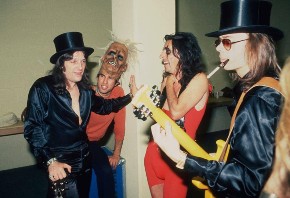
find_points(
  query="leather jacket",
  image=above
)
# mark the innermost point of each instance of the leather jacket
(251, 148)
(51, 125)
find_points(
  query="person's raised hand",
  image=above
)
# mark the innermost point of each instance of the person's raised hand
(132, 85)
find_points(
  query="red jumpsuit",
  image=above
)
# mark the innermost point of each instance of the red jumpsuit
(159, 169)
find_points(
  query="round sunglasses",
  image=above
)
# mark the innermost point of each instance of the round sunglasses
(227, 43)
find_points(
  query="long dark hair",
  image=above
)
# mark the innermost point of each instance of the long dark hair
(59, 79)
(262, 59)
(186, 48)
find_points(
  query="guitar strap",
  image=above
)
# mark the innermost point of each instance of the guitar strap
(265, 81)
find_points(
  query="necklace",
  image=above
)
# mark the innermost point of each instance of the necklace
(102, 95)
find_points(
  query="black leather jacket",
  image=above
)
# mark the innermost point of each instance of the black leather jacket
(51, 126)
(251, 148)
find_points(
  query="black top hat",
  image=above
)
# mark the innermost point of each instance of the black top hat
(246, 16)
(67, 42)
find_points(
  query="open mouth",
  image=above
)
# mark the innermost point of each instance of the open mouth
(223, 63)
(112, 63)
(103, 87)
(165, 63)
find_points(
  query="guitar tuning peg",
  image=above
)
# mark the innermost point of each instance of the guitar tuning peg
(136, 113)
(141, 112)
(155, 102)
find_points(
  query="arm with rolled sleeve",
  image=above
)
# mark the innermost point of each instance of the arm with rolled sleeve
(119, 130)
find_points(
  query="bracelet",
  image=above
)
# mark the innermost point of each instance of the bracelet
(131, 95)
(52, 160)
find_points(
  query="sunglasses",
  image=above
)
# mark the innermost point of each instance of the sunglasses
(227, 43)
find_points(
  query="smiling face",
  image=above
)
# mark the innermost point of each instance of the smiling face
(169, 60)
(237, 54)
(74, 68)
(116, 55)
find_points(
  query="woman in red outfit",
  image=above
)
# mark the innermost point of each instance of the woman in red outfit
(185, 91)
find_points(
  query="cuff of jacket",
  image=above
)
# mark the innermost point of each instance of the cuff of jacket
(195, 166)
(46, 155)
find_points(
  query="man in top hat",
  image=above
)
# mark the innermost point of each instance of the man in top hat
(120, 54)
(245, 42)
(58, 110)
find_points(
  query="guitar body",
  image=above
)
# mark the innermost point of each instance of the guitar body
(142, 99)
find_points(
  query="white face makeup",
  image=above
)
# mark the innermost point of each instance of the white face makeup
(235, 53)
(169, 61)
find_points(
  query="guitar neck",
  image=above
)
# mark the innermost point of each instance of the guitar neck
(182, 137)
(160, 117)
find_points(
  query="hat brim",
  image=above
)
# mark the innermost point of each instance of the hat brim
(88, 51)
(275, 33)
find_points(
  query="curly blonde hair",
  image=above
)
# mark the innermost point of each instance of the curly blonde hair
(279, 181)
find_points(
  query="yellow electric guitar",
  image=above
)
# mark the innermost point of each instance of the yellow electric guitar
(145, 102)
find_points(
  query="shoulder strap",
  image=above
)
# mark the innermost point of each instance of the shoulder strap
(266, 82)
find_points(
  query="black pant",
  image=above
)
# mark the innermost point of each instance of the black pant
(103, 171)
(77, 183)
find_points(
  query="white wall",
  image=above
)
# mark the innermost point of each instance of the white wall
(146, 22)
